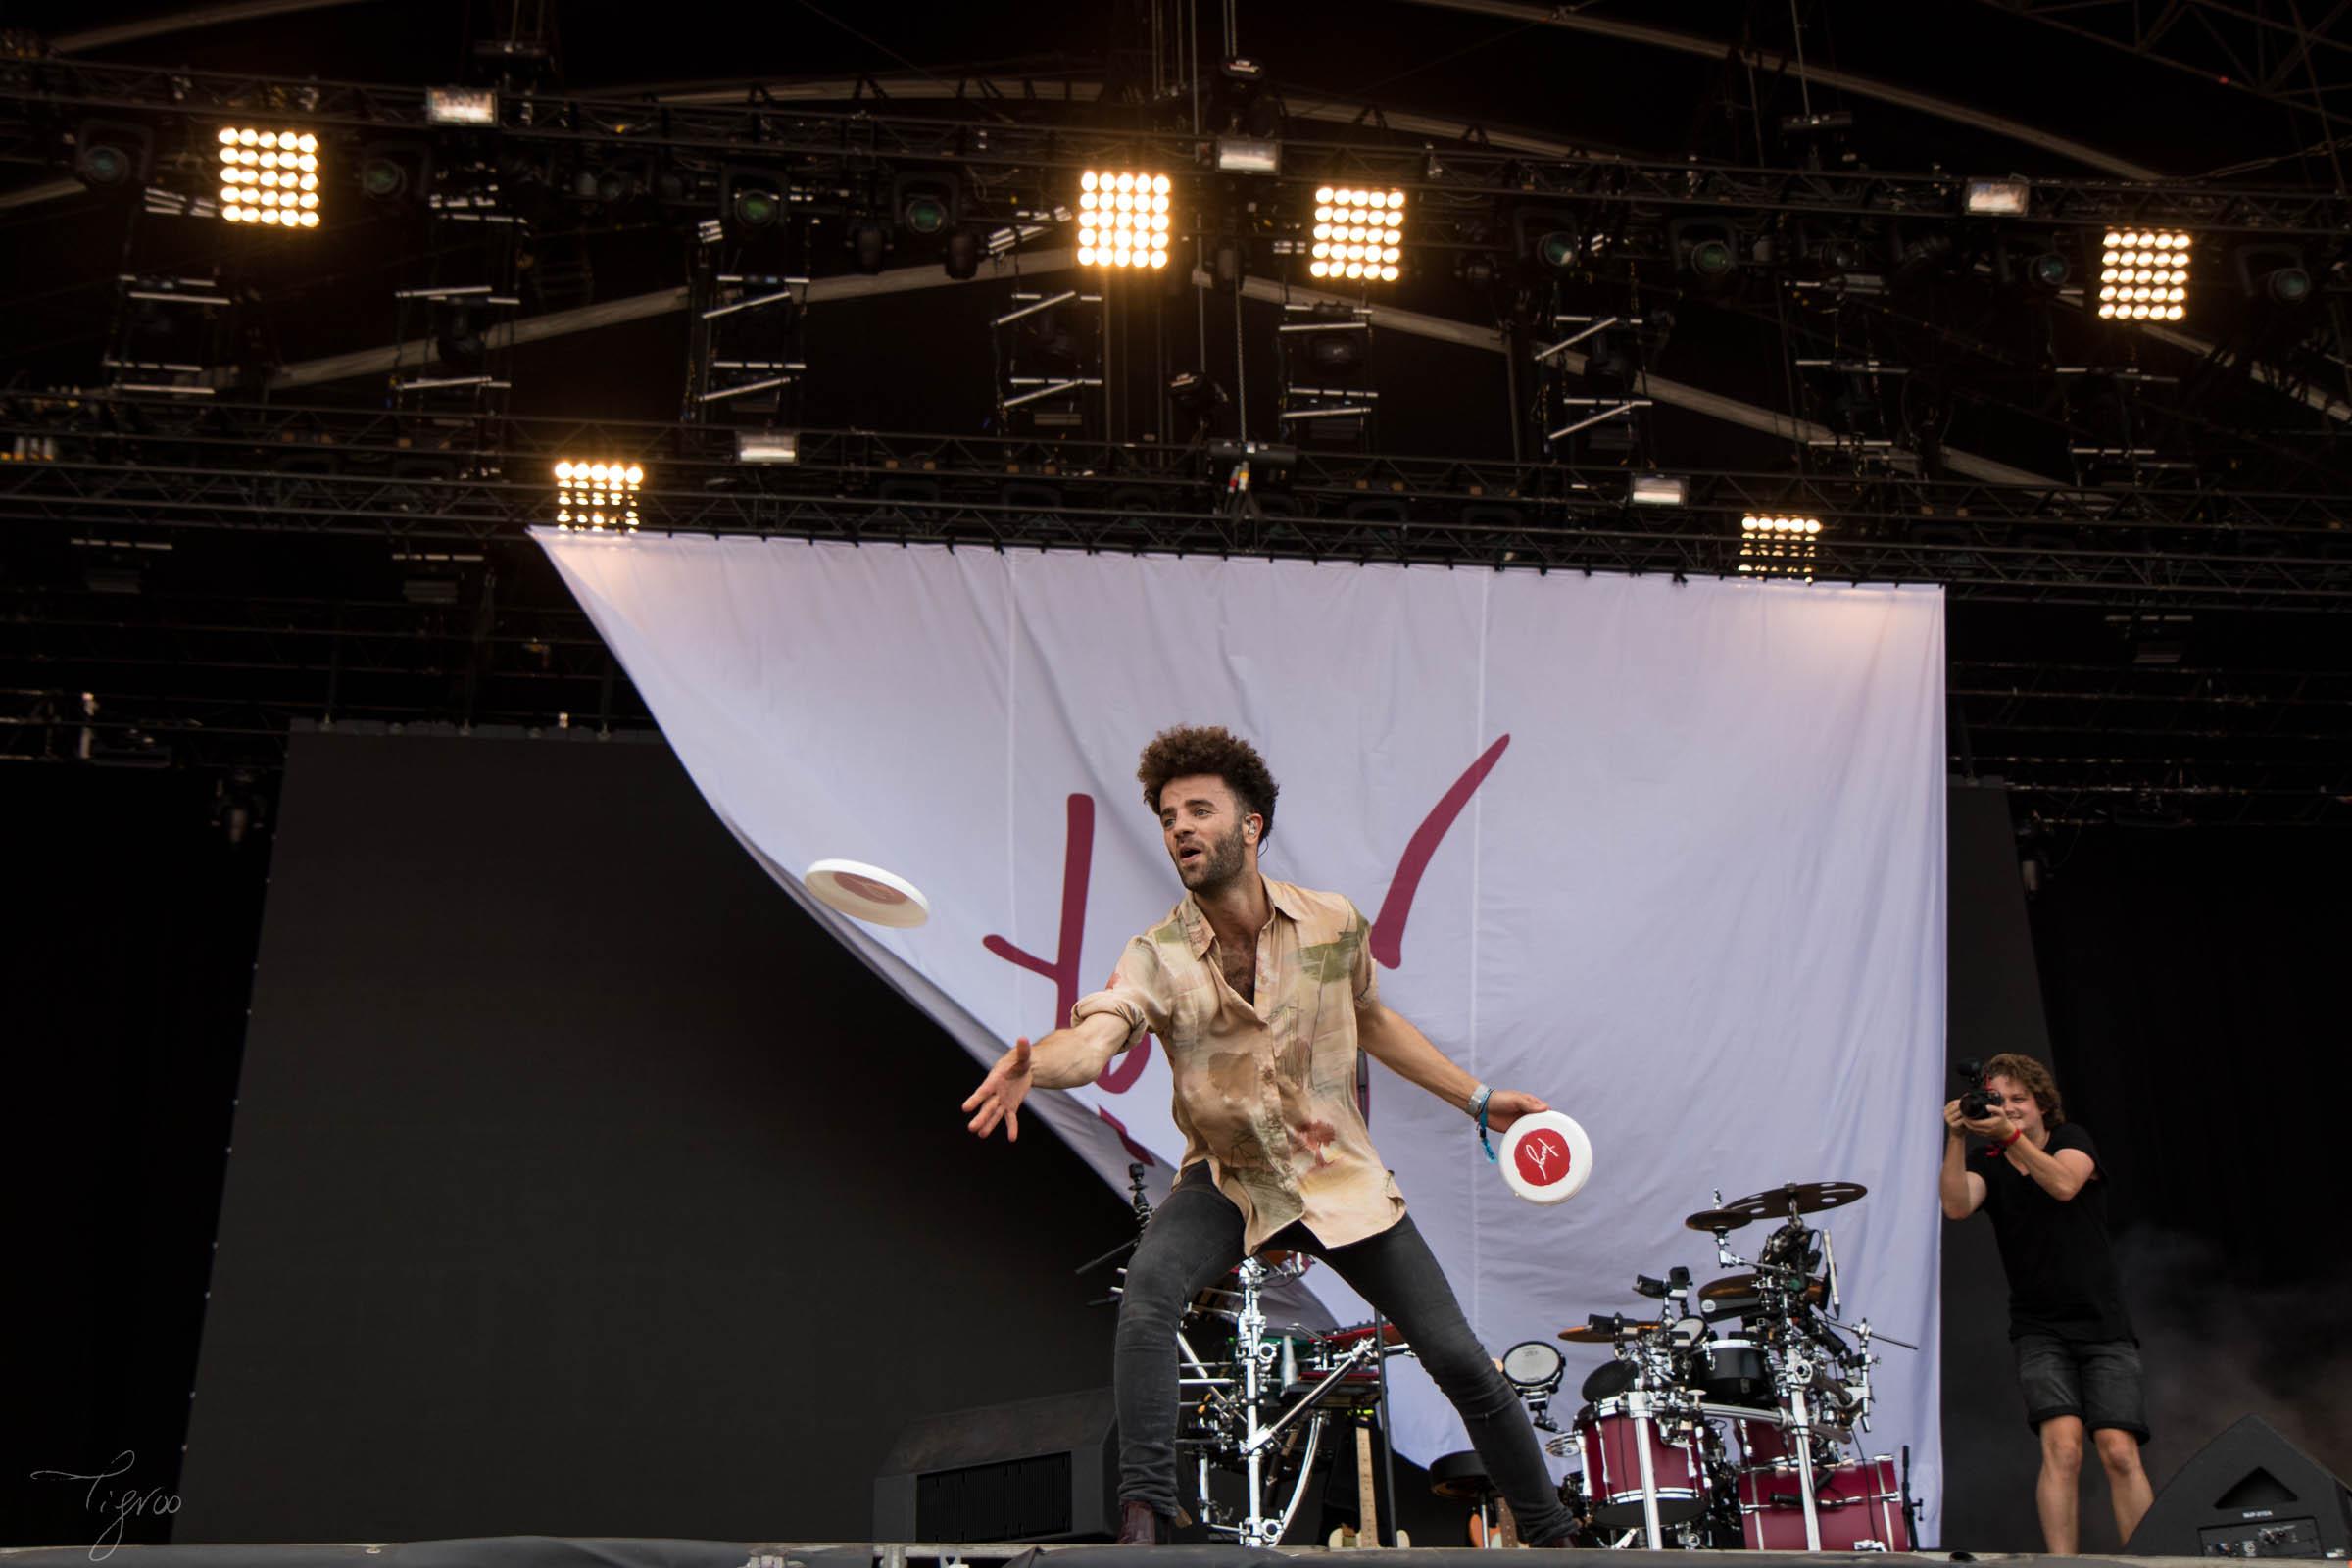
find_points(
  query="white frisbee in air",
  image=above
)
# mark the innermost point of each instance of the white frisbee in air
(867, 892)
(1546, 1159)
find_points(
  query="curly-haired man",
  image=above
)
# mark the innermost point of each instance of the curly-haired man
(1263, 994)
(2077, 1359)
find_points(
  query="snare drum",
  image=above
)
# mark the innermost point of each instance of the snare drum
(1610, 1443)
(1860, 1507)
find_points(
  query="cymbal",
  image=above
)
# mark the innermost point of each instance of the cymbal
(1587, 1333)
(1795, 1197)
(1738, 1285)
(1717, 1219)
(1596, 1334)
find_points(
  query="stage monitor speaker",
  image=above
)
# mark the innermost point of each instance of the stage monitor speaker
(2249, 1493)
(1043, 1469)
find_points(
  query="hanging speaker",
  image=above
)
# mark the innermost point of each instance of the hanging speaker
(2249, 1493)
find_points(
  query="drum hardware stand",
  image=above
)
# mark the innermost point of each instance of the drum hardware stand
(1257, 1355)
(1637, 1403)
(1799, 1372)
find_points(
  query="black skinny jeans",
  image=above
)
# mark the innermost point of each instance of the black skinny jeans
(1195, 1239)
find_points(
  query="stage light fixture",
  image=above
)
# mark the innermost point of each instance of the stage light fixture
(1772, 545)
(461, 105)
(2143, 275)
(2049, 270)
(1123, 219)
(392, 169)
(596, 496)
(754, 198)
(926, 204)
(2272, 271)
(767, 446)
(1659, 490)
(869, 245)
(925, 216)
(381, 178)
(1996, 198)
(1706, 248)
(1358, 235)
(269, 178)
(109, 154)
(1249, 154)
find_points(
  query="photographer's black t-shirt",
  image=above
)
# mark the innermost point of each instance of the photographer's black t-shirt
(2061, 1278)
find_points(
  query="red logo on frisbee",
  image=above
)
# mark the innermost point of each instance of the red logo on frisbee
(1542, 1158)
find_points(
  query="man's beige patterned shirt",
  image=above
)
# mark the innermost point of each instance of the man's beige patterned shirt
(1266, 1092)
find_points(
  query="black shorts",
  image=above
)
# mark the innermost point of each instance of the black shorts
(2096, 1381)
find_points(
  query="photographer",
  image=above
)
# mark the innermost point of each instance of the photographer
(2077, 1358)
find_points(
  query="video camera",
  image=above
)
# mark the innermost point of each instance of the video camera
(1975, 1101)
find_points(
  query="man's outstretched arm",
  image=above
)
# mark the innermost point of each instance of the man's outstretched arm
(1390, 1039)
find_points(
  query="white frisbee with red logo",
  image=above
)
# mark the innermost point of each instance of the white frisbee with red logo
(867, 892)
(1546, 1157)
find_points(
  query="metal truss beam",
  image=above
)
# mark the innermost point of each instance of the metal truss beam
(330, 472)
(1004, 145)
(2274, 50)
(1573, 20)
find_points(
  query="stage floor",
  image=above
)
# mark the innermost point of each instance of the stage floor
(550, 1551)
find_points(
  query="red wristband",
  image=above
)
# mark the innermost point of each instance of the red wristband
(2002, 1146)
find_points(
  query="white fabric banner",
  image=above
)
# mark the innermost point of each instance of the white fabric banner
(1670, 854)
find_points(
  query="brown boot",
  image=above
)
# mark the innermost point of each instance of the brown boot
(1142, 1525)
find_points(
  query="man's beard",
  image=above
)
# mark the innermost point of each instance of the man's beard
(1222, 862)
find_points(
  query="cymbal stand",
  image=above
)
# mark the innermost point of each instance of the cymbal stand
(1725, 1257)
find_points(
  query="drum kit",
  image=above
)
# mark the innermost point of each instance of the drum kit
(1727, 1415)
(1724, 1417)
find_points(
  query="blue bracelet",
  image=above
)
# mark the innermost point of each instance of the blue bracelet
(1482, 1135)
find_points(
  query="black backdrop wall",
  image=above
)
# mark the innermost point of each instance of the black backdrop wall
(564, 1137)
(582, 1187)
(124, 980)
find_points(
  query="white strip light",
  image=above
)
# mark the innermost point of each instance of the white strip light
(1775, 546)
(596, 496)
(1358, 235)
(461, 105)
(2143, 275)
(270, 176)
(1123, 219)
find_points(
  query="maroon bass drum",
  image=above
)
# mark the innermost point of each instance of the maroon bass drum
(1860, 1507)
